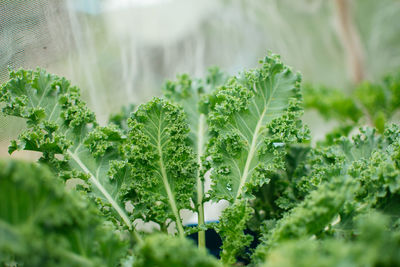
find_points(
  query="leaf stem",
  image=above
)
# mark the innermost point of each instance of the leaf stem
(171, 197)
(250, 156)
(200, 182)
(94, 181)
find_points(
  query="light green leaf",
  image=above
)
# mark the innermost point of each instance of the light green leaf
(162, 163)
(59, 123)
(189, 94)
(253, 118)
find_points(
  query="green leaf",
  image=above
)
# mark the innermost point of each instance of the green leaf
(41, 224)
(253, 118)
(332, 103)
(350, 178)
(376, 169)
(373, 245)
(230, 228)
(284, 190)
(120, 119)
(189, 93)
(161, 162)
(373, 103)
(59, 123)
(311, 216)
(164, 251)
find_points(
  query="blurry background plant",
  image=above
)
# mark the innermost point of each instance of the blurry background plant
(121, 52)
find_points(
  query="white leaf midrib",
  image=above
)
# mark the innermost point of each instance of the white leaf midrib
(167, 186)
(250, 155)
(94, 180)
(254, 142)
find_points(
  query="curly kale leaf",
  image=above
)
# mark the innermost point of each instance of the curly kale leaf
(61, 127)
(230, 227)
(373, 245)
(324, 162)
(120, 119)
(285, 190)
(367, 177)
(41, 224)
(252, 118)
(189, 93)
(162, 163)
(378, 171)
(311, 216)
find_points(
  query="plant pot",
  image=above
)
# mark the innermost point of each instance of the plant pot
(214, 242)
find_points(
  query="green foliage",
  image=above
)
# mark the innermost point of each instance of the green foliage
(351, 179)
(305, 203)
(189, 93)
(41, 224)
(310, 217)
(375, 245)
(161, 161)
(163, 250)
(331, 103)
(120, 119)
(59, 123)
(253, 118)
(373, 103)
(230, 228)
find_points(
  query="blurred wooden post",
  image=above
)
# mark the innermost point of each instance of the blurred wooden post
(350, 40)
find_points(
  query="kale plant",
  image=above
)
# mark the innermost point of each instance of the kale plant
(306, 205)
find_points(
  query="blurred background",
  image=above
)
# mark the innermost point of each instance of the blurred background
(121, 51)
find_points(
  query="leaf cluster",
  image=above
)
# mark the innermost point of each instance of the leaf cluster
(373, 103)
(42, 224)
(305, 204)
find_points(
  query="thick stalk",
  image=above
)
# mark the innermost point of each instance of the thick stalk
(200, 181)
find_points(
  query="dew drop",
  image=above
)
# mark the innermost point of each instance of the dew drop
(278, 144)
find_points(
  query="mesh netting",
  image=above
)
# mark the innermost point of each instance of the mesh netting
(25, 41)
(121, 51)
